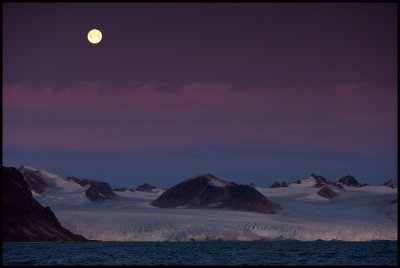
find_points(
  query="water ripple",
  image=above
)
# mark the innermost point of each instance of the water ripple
(202, 253)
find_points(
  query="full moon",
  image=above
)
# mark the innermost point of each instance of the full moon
(94, 36)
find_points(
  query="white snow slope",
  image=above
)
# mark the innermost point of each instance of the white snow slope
(357, 214)
(61, 191)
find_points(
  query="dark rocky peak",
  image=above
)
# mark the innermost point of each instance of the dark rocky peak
(253, 185)
(145, 187)
(25, 219)
(209, 179)
(97, 191)
(350, 181)
(311, 180)
(391, 183)
(205, 189)
(206, 175)
(327, 192)
(35, 182)
(122, 189)
(277, 184)
(319, 180)
(201, 175)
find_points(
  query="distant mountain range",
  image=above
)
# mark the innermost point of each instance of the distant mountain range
(287, 203)
(145, 187)
(317, 181)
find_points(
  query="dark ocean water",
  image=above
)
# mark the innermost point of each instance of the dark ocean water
(202, 253)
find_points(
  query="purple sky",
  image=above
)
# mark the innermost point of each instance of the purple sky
(257, 92)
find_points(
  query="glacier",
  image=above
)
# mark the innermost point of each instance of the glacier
(357, 214)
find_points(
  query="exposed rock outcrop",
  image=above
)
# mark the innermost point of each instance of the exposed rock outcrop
(145, 187)
(321, 181)
(351, 181)
(277, 184)
(253, 185)
(327, 192)
(318, 181)
(25, 219)
(391, 183)
(97, 191)
(206, 189)
(122, 189)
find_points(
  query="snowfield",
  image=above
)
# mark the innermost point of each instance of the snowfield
(356, 214)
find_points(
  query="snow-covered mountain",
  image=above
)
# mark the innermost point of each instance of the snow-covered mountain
(320, 181)
(355, 213)
(205, 189)
(65, 189)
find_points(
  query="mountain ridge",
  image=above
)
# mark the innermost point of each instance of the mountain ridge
(24, 219)
(355, 214)
(96, 190)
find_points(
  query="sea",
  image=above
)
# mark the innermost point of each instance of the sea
(202, 253)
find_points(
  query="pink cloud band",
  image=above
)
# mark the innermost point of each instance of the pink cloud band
(326, 119)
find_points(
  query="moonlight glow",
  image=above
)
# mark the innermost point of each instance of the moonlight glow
(94, 36)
